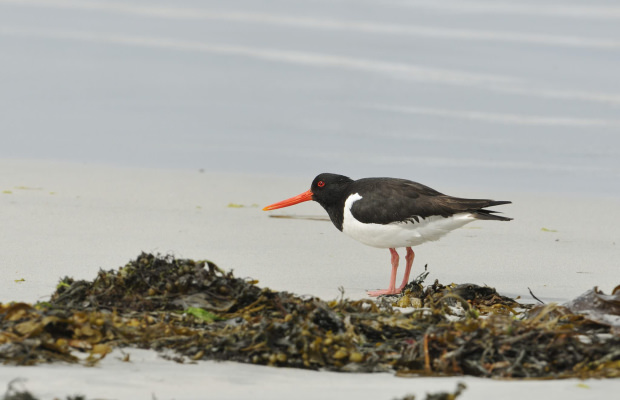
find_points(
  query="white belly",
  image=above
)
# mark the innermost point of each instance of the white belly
(400, 234)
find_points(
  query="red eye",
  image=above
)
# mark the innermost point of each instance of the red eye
(320, 184)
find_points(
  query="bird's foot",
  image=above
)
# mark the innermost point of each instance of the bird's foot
(375, 293)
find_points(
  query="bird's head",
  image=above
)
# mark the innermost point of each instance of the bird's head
(325, 190)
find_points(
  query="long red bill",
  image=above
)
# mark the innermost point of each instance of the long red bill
(300, 198)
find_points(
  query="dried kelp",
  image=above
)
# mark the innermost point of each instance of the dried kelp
(482, 298)
(198, 311)
(153, 283)
(598, 307)
(14, 393)
(460, 387)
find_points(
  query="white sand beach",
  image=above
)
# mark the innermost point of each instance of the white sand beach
(63, 219)
(72, 220)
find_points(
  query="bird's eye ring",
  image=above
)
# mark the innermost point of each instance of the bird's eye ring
(320, 184)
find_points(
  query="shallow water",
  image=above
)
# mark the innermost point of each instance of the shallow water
(512, 96)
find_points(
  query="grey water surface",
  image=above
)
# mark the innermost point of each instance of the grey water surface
(512, 95)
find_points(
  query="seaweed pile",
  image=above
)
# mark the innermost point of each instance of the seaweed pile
(192, 310)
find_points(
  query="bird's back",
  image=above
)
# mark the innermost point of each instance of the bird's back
(388, 200)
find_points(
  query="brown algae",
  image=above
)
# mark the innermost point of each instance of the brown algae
(199, 312)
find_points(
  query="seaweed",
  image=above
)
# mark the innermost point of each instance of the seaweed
(13, 393)
(460, 387)
(193, 310)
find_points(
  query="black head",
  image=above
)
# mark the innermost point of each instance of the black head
(327, 188)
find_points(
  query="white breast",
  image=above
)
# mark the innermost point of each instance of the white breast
(400, 234)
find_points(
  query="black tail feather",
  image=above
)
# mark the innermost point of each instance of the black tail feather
(498, 203)
(490, 215)
(477, 207)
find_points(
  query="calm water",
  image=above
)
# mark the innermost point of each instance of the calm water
(521, 96)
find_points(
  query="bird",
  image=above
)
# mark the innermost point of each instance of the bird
(392, 213)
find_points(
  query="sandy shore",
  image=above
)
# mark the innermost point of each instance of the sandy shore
(70, 219)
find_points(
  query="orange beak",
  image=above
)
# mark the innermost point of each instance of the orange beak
(300, 198)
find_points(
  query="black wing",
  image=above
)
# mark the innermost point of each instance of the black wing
(387, 200)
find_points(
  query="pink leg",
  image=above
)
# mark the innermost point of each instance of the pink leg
(392, 289)
(409, 257)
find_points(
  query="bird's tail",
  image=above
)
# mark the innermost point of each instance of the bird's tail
(489, 214)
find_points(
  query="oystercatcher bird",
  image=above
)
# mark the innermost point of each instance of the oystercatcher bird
(391, 213)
